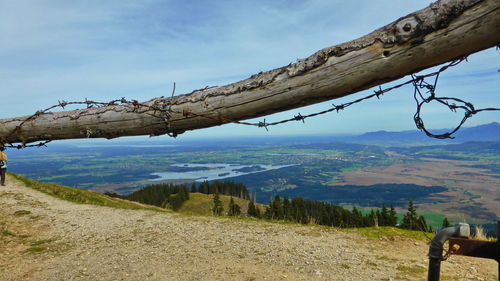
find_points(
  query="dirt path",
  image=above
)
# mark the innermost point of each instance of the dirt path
(44, 238)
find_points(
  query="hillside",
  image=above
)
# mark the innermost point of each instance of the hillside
(45, 238)
(201, 204)
(486, 132)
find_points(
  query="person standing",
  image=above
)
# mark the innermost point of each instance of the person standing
(3, 164)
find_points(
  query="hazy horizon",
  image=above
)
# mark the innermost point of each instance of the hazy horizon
(165, 140)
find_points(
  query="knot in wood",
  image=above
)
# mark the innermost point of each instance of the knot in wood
(406, 29)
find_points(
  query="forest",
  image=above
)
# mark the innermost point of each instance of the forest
(297, 209)
(172, 196)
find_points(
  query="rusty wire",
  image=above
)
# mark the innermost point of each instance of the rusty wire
(452, 103)
(63, 104)
(419, 83)
(424, 93)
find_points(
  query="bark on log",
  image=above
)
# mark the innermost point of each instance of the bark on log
(445, 30)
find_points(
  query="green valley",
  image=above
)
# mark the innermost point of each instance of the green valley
(460, 181)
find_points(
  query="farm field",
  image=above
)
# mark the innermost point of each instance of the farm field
(469, 189)
(461, 181)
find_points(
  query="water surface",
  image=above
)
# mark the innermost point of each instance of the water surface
(215, 171)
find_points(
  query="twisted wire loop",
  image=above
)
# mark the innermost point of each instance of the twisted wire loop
(419, 83)
(424, 93)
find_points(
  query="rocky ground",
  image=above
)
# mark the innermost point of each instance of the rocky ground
(44, 238)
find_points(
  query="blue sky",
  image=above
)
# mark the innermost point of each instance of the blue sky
(103, 50)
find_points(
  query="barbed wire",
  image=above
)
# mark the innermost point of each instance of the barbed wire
(419, 83)
(452, 103)
(63, 104)
(424, 93)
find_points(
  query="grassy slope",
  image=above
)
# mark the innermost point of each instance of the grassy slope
(201, 204)
(198, 204)
(82, 196)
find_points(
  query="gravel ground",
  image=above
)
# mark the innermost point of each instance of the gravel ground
(44, 238)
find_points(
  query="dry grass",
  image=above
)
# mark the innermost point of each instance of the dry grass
(480, 234)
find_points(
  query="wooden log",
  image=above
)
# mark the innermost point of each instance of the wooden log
(446, 30)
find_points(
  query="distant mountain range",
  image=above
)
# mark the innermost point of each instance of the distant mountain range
(482, 133)
(486, 132)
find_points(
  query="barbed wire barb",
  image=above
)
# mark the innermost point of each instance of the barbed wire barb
(423, 93)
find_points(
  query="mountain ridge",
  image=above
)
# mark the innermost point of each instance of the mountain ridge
(484, 132)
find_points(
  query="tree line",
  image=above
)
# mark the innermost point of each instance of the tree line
(172, 196)
(304, 211)
(229, 188)
(296, 209)
(307, 211)
(162, 195)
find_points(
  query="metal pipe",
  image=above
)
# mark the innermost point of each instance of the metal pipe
(436, 247)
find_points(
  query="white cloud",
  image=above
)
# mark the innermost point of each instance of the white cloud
(71, 50)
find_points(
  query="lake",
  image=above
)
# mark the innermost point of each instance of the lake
(215, 171)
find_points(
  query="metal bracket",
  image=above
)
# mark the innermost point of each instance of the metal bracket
(476, 248)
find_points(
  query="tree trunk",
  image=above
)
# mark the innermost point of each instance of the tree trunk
(445, 30)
